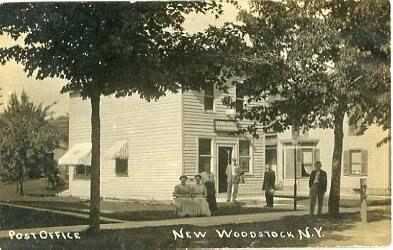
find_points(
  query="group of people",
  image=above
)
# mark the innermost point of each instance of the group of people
(199, 199)
(317, 185)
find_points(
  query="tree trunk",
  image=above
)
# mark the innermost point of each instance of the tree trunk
(334, 196)
(95, 162)
(21, 181)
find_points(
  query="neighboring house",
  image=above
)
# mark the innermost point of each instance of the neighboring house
(146, 146)
(361, 159)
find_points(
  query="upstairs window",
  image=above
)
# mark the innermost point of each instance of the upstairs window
(239, 100)
(208, 100)
(122, 167)
(205, 155)
(299, 133)
(244, 155)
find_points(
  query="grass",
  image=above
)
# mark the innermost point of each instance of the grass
(343, 231)
(31, 188)
(133, 210)
(17, 218)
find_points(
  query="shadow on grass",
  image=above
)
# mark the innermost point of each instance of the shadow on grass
(18, 218)
(80, 206)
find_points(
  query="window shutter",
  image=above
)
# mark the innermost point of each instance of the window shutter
(299, 160)
(289, 164)
(364, 162)
(316, 154)
(346, 162)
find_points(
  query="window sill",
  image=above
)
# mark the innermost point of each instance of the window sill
(82, 178)
(355, 175)
(122, 175)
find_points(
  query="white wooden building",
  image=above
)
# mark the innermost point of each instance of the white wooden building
(146, 146)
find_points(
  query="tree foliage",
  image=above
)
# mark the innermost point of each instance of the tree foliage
(309, 63)
(117, 48)
(61, 123)
(27, 140)
(109, 48)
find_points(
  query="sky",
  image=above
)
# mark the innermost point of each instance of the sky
(14, 79)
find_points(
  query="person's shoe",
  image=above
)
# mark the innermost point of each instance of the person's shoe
(234, 200)
(228, 200)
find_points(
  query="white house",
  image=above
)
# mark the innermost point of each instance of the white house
(146, 146)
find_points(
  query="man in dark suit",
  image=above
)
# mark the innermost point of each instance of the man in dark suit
(317, 184)
(268, 185)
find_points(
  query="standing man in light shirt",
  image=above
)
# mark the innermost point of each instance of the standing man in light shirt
(233, 173)
(318, 185)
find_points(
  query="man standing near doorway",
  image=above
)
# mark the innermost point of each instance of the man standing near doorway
(233, 173)
(269, 180)
(318, 185)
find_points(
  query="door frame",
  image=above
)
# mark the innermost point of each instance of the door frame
(234, 154)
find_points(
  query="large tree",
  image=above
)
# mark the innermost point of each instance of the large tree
(307, 64)
(27, 139)
(108, 48)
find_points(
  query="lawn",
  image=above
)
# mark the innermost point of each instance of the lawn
(18, 218)
(32, 188)
(136, 210)
(343, 231)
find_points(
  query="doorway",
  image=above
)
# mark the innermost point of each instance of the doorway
(224, 158)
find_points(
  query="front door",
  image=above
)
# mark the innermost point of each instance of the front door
(224, 158)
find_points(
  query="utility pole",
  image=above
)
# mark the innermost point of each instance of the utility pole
(295, 135)
(295, 175)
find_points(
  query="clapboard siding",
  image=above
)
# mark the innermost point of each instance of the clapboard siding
(153, 131)
(378, 176)
(198, 123)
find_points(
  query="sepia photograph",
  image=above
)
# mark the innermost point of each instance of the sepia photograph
(195, 124)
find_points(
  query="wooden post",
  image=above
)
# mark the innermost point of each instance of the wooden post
(295, 183)
(363, 199)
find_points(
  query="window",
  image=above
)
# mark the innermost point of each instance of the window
(306, 159)
(354, 131)
(244, 155)
(299, 133)
(209, 98)
(239, 100)
(205, 154)
(355, 162)
(82, 171)
(271, 150)
(122, 167)
(271, 156)
(351, 130)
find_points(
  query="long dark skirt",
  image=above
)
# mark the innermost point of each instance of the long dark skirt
(211, 196)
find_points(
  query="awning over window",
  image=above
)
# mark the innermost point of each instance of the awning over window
(118, 150)
(79, 154)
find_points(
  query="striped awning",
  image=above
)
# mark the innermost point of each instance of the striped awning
(79, 154)
(118, 150)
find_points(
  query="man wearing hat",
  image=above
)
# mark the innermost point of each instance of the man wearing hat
(233, 173)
